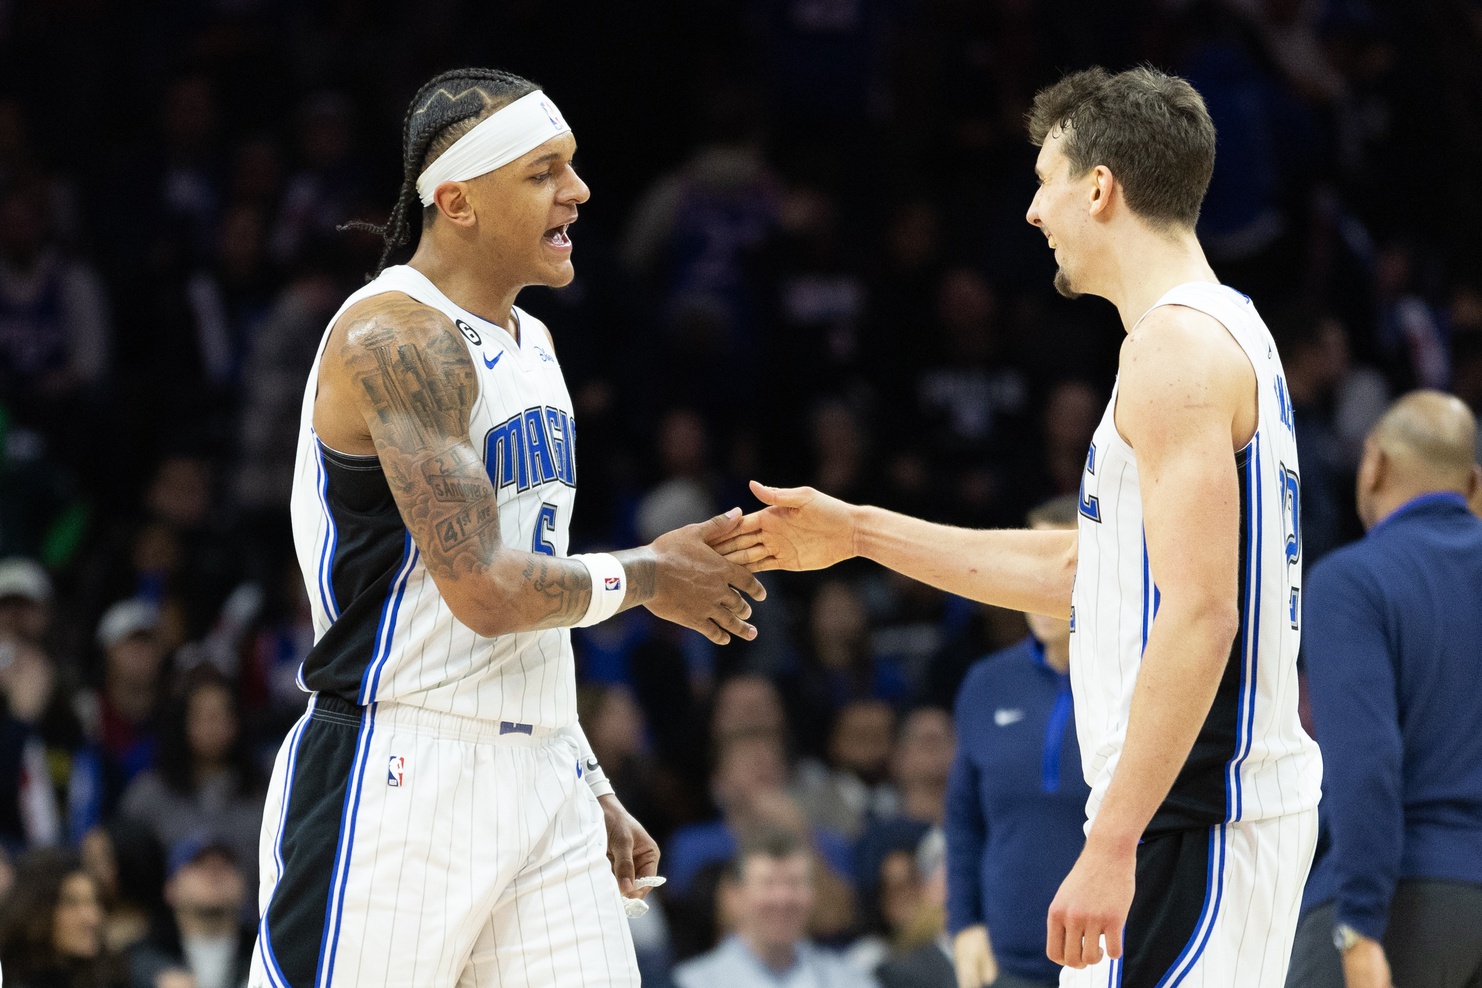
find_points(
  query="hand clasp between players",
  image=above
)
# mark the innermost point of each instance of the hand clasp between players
(800, 529)
(696, 587)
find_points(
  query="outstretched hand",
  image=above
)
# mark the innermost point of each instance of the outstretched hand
(800, 529)
(694, 586)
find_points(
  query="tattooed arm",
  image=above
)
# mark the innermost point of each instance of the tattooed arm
(396, 380)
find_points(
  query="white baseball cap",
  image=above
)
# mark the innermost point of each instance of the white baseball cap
(126, 618)
(22, 577)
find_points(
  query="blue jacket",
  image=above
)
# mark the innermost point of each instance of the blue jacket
(1394, 665)
(1016, 804)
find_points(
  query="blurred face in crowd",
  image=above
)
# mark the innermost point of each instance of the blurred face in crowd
(773, 901)
(838, 624)
(745, 703)
(750, 768)
(927, 744)
(210, 724)
(207, 894)
(1062, 209)
(22, 617)
(77, 924)
(136, 660)
(862, 739)
(616, 732)
(900, 888)
(515, 218)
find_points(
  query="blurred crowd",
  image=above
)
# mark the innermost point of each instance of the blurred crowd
(804, 261)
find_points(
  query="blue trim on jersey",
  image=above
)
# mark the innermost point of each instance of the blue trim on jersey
(331, 539)
(1114, 973)
(370, 680)
(345, 848)
(1049, 769)
(270, 960)
(1214, 888)
(1251, 635)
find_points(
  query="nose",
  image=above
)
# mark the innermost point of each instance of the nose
(579, 192)
(1032, 215)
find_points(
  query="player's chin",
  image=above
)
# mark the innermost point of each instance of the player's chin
(557, 272)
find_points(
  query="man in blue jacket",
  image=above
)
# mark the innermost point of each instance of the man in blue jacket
(1016, 800)
(1394, 659)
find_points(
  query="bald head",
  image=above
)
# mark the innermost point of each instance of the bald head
(1425, 442)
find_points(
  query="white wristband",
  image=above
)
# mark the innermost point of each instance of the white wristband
(609, 586)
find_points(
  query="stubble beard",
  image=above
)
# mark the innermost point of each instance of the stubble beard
(1062, 284)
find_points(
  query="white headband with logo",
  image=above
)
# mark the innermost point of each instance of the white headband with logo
(499, 138)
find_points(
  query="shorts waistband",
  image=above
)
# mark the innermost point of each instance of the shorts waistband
(434, 723)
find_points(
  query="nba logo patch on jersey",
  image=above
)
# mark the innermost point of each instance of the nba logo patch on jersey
(396, 771)
(612, 583)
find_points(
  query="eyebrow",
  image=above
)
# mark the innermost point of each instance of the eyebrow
(543, 159)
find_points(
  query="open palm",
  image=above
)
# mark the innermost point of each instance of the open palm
(800, 529)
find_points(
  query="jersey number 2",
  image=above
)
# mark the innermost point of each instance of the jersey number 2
(544, 525)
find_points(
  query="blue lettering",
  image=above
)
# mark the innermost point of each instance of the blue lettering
(555, 421)
(542, 467)
(1090, 506)
(504, 455)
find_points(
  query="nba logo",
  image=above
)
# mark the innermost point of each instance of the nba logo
(612, 583)
(550, 112)
(395, 771)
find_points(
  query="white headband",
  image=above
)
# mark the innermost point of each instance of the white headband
(500, 138)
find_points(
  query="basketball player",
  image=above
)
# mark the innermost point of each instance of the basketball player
(434, 818)
(1181, 583)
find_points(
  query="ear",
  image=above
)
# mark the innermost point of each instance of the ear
(1103, 182)
(451, 200)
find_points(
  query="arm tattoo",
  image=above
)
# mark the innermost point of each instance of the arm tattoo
(565, 586)
(419, 385)
(641, 569)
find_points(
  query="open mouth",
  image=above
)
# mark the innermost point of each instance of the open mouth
(556, 237)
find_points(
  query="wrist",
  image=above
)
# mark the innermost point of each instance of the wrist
(864, 527)
(1106, 840)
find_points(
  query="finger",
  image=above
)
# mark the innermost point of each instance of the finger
(741, 579)
(737, 605)
(745, 557)
(1073, 936)
(712, 631)
(730, 622)
(721, 526)
(1114, 942)
(1091, 945)
(1055, 939)
(790, 497)
(740, 540)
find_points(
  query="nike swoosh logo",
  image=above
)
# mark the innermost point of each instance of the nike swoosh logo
(1003, 718)
(591, 764)
(490, 363)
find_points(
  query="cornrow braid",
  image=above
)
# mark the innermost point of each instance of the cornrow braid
(444, 109)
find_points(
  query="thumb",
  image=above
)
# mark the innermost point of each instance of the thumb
(786, 497)
(720, 525)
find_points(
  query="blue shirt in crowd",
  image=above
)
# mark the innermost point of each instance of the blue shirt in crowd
(1394, 661)
(1016, 804)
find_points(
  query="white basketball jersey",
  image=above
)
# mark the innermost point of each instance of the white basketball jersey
(1252, 759)
(382, 630)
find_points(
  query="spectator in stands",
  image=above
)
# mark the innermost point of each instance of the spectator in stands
(1016, 802)
(925, 956)
(128, 868)
(922, 763)
(51, 927)
(852, 788)
(206, 893)
(772, 895)
(41, 748)
(749, 786)
(25, 599)
(204, 781)
(124, 713)
(1393, 623)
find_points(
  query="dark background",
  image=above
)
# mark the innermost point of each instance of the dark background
(804, 260)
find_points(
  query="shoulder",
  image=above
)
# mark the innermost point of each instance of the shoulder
(1353, 568)
(699, 971)
(392, 319)
(1174, 343)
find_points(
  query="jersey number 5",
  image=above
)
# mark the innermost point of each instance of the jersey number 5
(544, 525)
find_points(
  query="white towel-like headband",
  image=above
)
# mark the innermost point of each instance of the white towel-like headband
(499, 138)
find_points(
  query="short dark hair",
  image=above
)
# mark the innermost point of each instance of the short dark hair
(1062, 511)
(443, 110)
(1150, 128)
(769, 842)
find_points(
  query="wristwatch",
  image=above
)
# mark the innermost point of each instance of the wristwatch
(1345, 937)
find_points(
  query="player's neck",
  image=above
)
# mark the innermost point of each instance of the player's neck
(469, 288)
(1147, 264)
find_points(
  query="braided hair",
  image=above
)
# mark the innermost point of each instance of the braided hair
(444, 109)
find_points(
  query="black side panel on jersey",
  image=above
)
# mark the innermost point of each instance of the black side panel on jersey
(368, 548)
(1198, 796)
(295, 926)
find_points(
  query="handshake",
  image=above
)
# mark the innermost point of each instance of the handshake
(704, 572)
